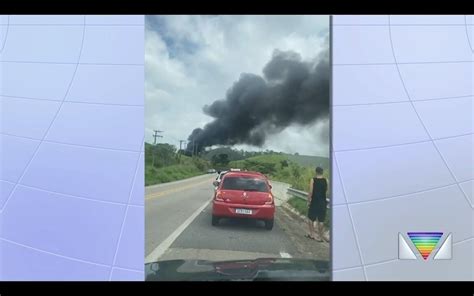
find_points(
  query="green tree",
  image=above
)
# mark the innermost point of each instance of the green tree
(165, 154)
(223, 159)
(295, 170)
(200, 164)
(220, 161)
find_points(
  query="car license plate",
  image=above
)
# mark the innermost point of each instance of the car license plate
(243, 211)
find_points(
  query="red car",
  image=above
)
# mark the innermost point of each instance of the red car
(243, 195)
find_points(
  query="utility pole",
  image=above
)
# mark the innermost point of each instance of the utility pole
(195, 148)
(180, 144)
(180, 149)
(155, 136)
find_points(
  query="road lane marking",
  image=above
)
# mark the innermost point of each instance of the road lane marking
(177, 182)
(285, 255)
(161, 248)
(162, 193)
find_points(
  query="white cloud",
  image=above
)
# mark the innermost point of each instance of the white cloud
(192, 61)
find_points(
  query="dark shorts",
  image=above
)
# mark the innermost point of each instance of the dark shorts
(317, 211)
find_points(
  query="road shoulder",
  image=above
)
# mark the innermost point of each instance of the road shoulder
(296, 228)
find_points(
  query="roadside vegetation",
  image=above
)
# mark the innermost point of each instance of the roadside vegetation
(301, 207)
(169, 164)
(279, 167)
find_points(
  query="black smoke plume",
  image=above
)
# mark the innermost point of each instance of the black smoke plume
(291, 91)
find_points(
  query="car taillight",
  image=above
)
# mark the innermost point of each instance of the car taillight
(219, 196)
(270, 200)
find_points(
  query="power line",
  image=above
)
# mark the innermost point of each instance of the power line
(172, 137)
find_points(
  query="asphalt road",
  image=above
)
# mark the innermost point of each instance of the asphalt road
(178, 226)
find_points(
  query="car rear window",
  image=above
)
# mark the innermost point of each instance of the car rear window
(245, 183)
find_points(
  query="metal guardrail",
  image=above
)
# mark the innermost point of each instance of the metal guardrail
(298, 193)
(302, 195)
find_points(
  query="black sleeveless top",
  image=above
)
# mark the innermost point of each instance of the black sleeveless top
(320, 186)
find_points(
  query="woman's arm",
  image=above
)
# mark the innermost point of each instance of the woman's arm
(310, 194)
(327, 188)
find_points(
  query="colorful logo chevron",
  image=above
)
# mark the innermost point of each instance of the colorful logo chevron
(425, 242)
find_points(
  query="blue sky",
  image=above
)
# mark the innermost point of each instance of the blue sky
(191, 61)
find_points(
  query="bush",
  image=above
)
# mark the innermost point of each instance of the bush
(170, 173)
(200, 164)
(279, 168)
(164, 155)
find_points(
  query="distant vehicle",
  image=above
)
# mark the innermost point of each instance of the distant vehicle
(235, 170)
(211, 171)
(243, 195)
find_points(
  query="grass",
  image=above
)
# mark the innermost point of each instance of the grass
(185, 167)
(274, 167)
(170, 166)
(267, 164)
(301, 207)
(170, 173)
(296, 170)
(310, 161)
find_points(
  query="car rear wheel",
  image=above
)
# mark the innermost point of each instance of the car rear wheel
(215, 220)
(269, 224)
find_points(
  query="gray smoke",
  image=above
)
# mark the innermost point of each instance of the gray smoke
(291, 91)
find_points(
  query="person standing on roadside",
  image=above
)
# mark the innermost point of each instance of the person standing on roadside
(317, 206)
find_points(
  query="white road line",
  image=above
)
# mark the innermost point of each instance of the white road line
(161, 248)
(285, 255)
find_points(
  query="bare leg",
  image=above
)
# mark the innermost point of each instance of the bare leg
(321, 229)
(311, 228)
(322, 232)
(315, 233)
(318, 233)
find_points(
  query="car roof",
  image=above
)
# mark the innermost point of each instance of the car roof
(245, 174)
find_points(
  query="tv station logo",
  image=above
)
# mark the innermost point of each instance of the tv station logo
(425, 243)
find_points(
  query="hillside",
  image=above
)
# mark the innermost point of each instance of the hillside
(279, 167)
(169, 166)
(310, 161)
(232, 154)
